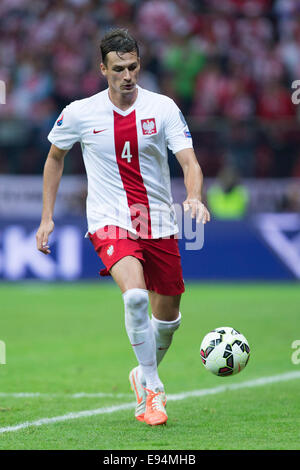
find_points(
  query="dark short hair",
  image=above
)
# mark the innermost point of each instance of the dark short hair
(118, 40)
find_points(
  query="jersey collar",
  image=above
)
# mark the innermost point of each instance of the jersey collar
(129, 110)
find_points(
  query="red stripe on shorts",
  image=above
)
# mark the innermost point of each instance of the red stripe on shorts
(127, 154)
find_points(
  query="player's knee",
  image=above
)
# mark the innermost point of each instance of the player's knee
(136, 307)
(136, 299)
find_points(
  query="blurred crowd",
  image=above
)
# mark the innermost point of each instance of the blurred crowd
(229, 65)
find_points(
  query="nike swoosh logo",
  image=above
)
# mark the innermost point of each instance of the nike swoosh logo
(138, 398)
(97, 132)
(138, 344)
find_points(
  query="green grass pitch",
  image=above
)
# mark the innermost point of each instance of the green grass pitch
(64, 339)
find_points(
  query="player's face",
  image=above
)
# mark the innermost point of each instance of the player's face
(121, 71)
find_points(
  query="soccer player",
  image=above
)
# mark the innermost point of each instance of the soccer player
(124, 133)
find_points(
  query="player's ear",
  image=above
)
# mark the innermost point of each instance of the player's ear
(103, 69)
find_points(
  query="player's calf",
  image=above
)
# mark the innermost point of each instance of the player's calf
(141, 335)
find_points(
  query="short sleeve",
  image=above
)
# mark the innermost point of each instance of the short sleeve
(65, 131)
(178, 136)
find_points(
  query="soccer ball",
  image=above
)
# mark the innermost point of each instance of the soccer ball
(224, 351)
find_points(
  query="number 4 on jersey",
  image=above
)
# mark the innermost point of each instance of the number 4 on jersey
(126, 151)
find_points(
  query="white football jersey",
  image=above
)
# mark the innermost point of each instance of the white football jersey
(126, 159)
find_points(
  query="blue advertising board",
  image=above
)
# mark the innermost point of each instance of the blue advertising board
(266, 247)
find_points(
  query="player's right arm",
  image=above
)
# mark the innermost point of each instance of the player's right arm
(51, 178)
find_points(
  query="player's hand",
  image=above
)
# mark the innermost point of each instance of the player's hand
(42, 236)
(198, 210)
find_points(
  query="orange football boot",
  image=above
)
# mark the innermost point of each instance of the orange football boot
(155, 413)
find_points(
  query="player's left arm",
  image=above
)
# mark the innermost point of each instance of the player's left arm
(193, 180)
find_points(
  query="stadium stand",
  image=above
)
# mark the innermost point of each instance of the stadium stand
(229, 65)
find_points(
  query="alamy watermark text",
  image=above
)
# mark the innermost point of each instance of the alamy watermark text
(2, 352)
(2, 92)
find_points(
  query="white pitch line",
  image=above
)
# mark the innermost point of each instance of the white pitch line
(248, 384)
(175, 397)
(67, 417)
(63, 395)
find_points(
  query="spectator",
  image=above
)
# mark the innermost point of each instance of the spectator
(184, 60)
(228, 198)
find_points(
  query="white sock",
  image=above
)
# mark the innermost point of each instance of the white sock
(163, 332)
(140, 332)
